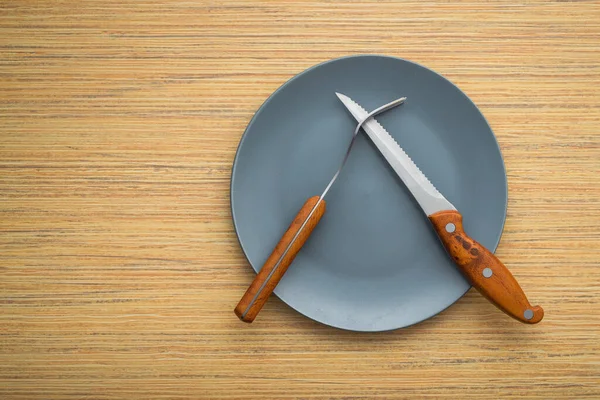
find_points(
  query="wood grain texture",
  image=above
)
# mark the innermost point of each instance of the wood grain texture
(273, 270)
(474, 260)
(119, 265)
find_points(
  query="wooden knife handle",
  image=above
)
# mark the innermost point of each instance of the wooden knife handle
(261, 288)
(483, 269)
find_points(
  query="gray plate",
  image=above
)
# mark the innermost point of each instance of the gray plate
(373, 263)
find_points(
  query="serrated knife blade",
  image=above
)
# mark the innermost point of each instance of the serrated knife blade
(426, 194)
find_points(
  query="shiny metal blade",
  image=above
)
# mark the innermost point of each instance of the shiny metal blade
(428, 197)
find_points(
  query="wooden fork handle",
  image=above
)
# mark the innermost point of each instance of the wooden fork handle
(483, 269)
(272, 271)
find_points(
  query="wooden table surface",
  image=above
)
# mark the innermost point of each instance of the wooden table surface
(119, 265)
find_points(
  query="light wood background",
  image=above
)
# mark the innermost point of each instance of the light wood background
(119, 266)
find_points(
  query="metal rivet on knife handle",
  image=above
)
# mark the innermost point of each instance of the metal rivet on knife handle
(294, 238)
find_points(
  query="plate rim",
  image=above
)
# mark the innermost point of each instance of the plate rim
(270, 98)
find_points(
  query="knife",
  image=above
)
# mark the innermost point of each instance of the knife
(479, 265)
